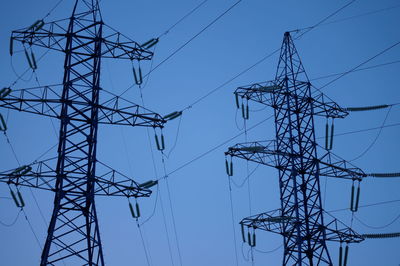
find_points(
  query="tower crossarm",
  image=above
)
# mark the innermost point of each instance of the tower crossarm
(42, 176)
(271, 221)
(80, 104)
(263, 152)
(118, 45)
(47, 101)
(263, 92)
(339, 232)
(52, 35)
(266, 153)
(49, 35)
(274, 222)
(333, 166)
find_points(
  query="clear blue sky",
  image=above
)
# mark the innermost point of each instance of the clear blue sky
(199, 191)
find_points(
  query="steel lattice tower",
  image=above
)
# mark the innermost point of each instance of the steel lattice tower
(301, 220)
(73, 233)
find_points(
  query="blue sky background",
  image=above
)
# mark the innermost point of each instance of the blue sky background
(199, 191)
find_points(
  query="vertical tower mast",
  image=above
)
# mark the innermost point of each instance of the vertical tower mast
(73, 233)
(74, 218)
(299, 172)
(300, 218)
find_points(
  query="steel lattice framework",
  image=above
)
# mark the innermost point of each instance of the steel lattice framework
(301, 220)
(73, 234)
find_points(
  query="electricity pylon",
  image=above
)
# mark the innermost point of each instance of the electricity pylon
(301, 219)
(73, 234)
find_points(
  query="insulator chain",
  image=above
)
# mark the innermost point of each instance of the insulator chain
(251, 236)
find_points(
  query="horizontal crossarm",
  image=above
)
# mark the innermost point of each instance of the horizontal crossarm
(52, 35)
(262, 93)
(49, 35)
(339, 232)
(117, 45)
(41, 175)
(332, 165)
(47, 101)
(274, 222)
(271, 221)
(263, 152)
(266, 153)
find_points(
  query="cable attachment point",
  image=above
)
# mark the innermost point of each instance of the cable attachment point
(37, 25)
(3, 125)
(4, 92)
(160, 145)
(137, 75)
(137, 214)
(243, 235)
(343, 261)
(329, 139)
(148, 184)
(20, 171)
(346, 254)
(229, 167)
(173, 115)
(11, 46)
(19, 202)
(251, 238)
(245, 110)
(366, 108)
(237, 100)
(31, 59)
(354, 204)
(150, 43)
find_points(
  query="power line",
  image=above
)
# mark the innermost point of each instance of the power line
(368, 205)
(186, 43)
(233, 221)
(183, 18)
(194, 37)
(268, 251)
(13, 221)
(171, 207)
(262, 60)
(19, 77)
(232, 79)
(378, 227)
(353, 17)
(143, 243)
(248, 176)
(12, 148)
(176, 138)
(361, 64)
(362, 15)
(363, 130)
(51, 10)
(31, 227)
(166, 230)
(165, 33)
(308, 29)
(375, 139)
(154, 209)
(173, 222)
(216, 147)
(246, 69)
(261, 122)
(360, 69)
(159, 192)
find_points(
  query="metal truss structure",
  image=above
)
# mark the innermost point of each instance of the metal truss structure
(301, 220)
(73, 234)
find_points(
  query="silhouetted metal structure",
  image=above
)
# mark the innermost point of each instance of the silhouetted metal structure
(300, 219)
(73, 233)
